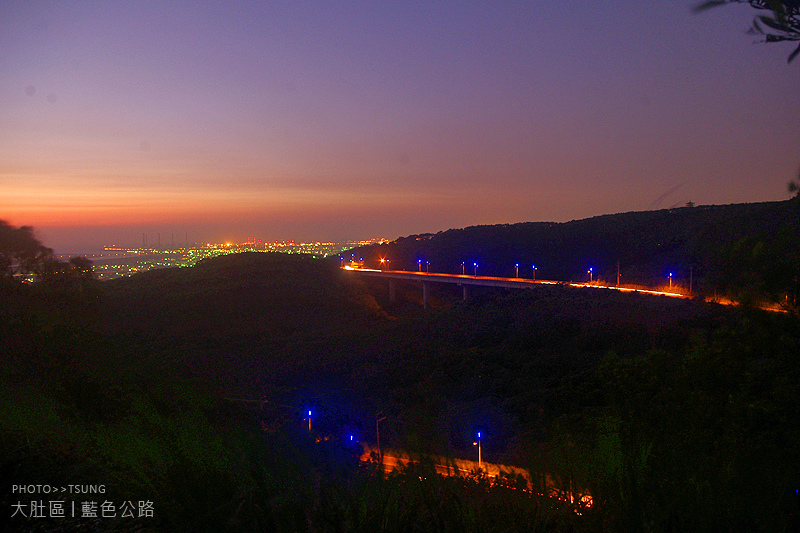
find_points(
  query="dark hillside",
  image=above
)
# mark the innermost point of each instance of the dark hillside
(236, 312)
(678, 401)
(524, 357)
(290, 328)
(156, 389)
(135, 386)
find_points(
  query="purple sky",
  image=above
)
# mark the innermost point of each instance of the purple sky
(354, 120)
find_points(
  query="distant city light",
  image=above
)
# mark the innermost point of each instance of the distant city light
(128, 261)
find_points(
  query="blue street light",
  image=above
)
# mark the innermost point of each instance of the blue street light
(476, 268)
(591, 275)
(516, 270)
(478, 444)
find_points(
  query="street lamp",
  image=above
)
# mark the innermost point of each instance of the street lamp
(534, 272)
(462, 268)
(670, 280)
(309, 420)
(476, 268)
(427, 266)
(591, 275)
(516, 270)
(478, 444)
(378, 433)
(383, 262)
(419, 262)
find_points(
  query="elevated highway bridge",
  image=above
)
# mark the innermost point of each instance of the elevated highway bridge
(466, 280)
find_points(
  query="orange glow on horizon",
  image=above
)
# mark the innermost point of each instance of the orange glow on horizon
(39, 202)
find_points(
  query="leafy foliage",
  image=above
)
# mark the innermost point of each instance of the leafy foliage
(783, 24)
(20, 253)
(699, 439)
(24, 258)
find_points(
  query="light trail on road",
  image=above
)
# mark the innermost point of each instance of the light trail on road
(504, 282)
(393, 460)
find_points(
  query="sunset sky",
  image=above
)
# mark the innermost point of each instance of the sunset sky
(363, 119)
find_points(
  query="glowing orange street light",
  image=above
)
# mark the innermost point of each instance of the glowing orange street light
(383, 262)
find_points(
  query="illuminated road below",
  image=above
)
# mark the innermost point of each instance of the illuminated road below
(397, 460)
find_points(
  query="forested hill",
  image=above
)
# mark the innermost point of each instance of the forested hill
(216, 318)
(737, 247)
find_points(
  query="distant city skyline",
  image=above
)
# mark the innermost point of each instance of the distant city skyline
(359, 120)
(118, 261)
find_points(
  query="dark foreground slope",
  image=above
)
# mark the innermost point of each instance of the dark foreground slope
(136, 387)
(674, 414)
(243, 317)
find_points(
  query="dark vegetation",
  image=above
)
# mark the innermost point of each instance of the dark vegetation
(188, 388)
(778, 22)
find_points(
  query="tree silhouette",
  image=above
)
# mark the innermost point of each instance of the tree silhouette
(23, 257)
(782, 25)
(794, 186)
(21, 254)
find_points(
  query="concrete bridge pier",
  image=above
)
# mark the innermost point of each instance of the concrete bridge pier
(425, 294)
(465, 292)
(392, 291)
